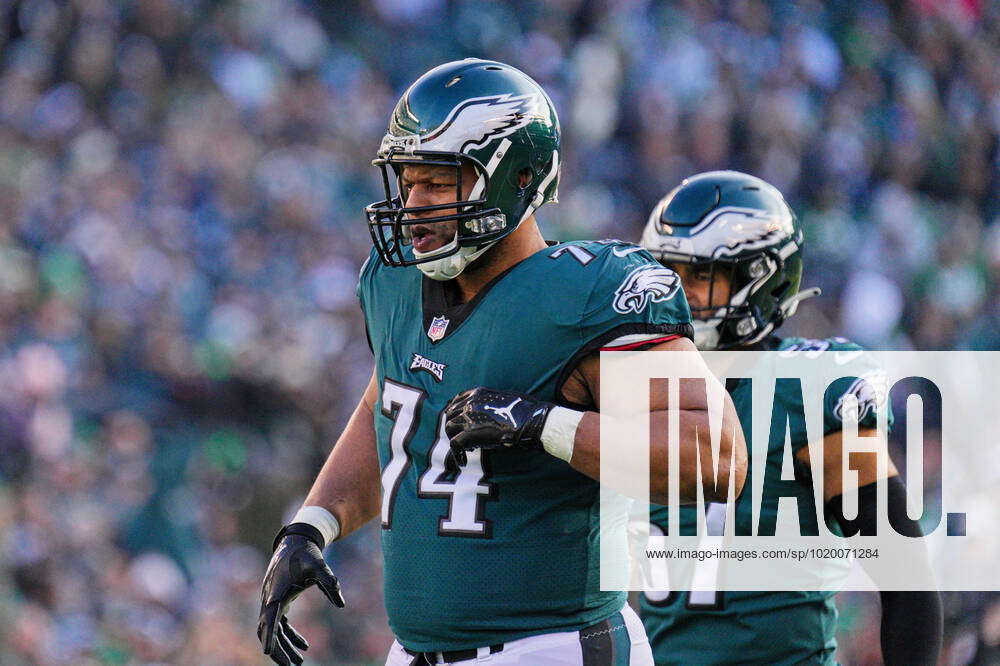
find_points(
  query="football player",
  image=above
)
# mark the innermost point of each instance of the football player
(476, 441)
(738, 248)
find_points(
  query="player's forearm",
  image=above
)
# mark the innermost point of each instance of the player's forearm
(694, 424)
(911, 621)
(348, 484)
(587, 457)
(696, 445)
(911, 628)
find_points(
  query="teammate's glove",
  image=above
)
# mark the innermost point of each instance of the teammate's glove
(483, 418)
(296, 564)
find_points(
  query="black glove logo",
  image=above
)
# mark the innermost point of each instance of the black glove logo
(504, 411)
(483, 418)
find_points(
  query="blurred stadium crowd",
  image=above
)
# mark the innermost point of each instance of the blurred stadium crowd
(181, 184)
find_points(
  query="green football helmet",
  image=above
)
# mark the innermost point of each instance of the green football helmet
(477, 112)
(732, 221)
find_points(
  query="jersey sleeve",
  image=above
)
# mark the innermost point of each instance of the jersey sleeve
(633, 294)
(864, 379)
(861, 377)
(631, 301)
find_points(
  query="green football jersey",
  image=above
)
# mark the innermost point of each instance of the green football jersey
(748, 627)
(505, 548)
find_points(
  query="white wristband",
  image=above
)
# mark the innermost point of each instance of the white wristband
(321, 519)
(559, 432)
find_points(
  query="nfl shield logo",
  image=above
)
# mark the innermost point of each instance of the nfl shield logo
(438, 327)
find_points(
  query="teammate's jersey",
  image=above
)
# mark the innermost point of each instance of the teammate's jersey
(507, 547)
(745, 627)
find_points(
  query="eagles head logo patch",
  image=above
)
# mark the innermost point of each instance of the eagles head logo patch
(645, 284)
(437, 329)
(871, 391)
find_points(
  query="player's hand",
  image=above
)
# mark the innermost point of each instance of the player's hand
(297, 564)
(483, 418)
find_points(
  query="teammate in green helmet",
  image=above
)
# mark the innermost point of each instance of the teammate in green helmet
(738, 248)
(731, 225)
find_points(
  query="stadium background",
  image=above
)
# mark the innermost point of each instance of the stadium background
(181, 184)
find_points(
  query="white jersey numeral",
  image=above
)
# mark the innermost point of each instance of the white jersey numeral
(401, 404)
(465, 494)
(583, 255)
(704, 594)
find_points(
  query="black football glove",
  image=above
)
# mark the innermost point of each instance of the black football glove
(483, 418)
(296, 564)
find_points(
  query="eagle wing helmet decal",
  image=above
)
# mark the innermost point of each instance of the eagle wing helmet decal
(645, 284)
(477, 121)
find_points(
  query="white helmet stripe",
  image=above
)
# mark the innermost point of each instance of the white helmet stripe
(542, 186)
(540, 194)
(491, 166)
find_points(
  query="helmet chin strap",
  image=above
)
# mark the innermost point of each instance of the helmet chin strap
(451, 266)
(707, 331)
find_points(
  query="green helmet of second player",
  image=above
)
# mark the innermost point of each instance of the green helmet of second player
(737, 223)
